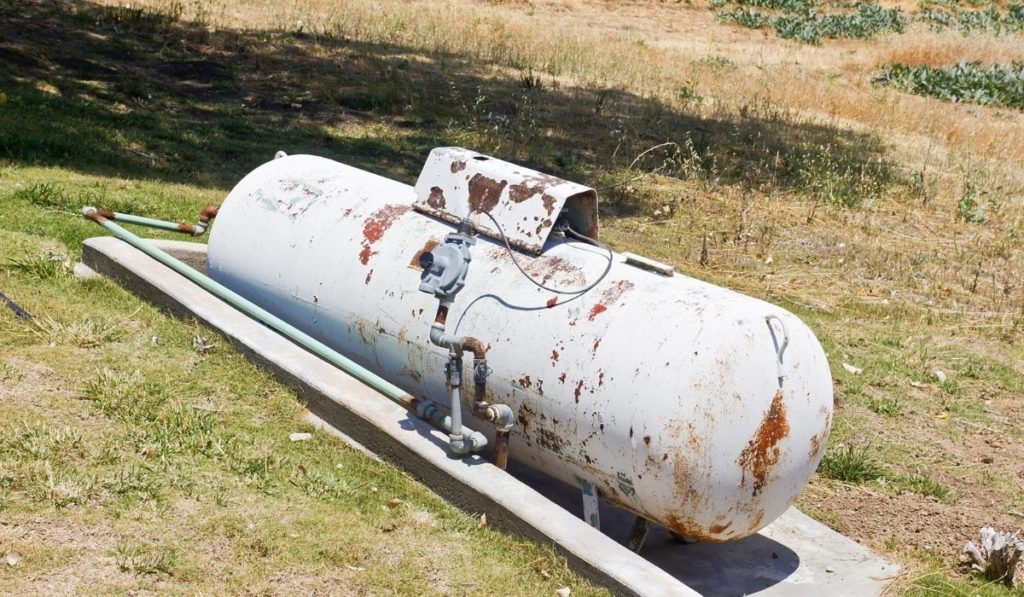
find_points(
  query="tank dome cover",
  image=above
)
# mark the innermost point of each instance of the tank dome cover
(526, 203)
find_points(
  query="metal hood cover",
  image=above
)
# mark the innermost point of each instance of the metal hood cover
(526, 203)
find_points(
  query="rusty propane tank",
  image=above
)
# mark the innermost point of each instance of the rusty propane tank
(694, 406)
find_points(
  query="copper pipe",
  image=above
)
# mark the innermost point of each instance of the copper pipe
(208, 213)
(442, 315)
(501, 449)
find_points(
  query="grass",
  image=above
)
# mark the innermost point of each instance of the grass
(890, 222)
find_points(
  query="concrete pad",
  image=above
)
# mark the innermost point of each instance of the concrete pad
(795, 555)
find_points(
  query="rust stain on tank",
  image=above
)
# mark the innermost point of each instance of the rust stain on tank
(597, 342)
(609, 296)
(368, 276)
(427, 247)
(458, 166)
(525, 381)
(690, 530)
(719, 528)
(816, 443)
(554, 357)
(552, 302)
(549, 203)
(375, 227)
(520, 192)
(436, 198)
(484, 192)
(550, 440)
(561, 378)
(578, 391)
(545, 224)
(762, 452)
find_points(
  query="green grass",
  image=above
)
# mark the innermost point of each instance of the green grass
(178, 463)
(851, 464)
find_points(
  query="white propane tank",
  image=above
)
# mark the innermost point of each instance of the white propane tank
(699, 408)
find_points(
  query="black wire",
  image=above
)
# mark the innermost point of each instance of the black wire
(570, 232)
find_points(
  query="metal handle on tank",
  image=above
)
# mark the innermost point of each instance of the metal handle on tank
(780, 349)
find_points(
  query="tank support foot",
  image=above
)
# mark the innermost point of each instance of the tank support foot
(638, 534)
(590, 504)
(682, 539)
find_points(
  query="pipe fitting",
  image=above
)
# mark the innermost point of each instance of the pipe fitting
(501, 416)
(431, 412)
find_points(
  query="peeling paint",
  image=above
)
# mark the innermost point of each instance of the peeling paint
(484, 192)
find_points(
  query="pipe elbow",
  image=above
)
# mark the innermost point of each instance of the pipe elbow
(475, 346)
(208, 213)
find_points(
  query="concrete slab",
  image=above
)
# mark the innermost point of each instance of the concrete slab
(795, 555)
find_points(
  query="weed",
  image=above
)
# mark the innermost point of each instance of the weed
(850, 464)
(142, 559)
(40, 442)
(43, 267)
(84, 333)
(717, 62)
(886, 406)
(921, 485)
(9, 372)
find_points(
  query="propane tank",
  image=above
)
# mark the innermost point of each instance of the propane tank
(689, 404)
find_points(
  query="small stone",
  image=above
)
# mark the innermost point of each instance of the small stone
(300, 437)
(852, 370)
(563, 592)
(545, 574)
(394, 503)
(483, 521)
(12, 559)
(939, 375)
(829, 569)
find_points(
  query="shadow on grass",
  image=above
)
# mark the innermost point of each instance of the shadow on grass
(125, 92)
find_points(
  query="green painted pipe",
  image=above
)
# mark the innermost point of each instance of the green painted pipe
(148, 222)
(245, 306)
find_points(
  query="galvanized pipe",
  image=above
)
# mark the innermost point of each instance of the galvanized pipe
(391, 391)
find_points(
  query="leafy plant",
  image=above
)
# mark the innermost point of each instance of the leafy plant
(969, 82)
(967, 21)
(803, 23)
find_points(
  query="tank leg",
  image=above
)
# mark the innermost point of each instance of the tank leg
(682, 539)
(638, 534)
(590, 504)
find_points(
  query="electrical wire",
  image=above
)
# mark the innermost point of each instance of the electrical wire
(569, 232)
